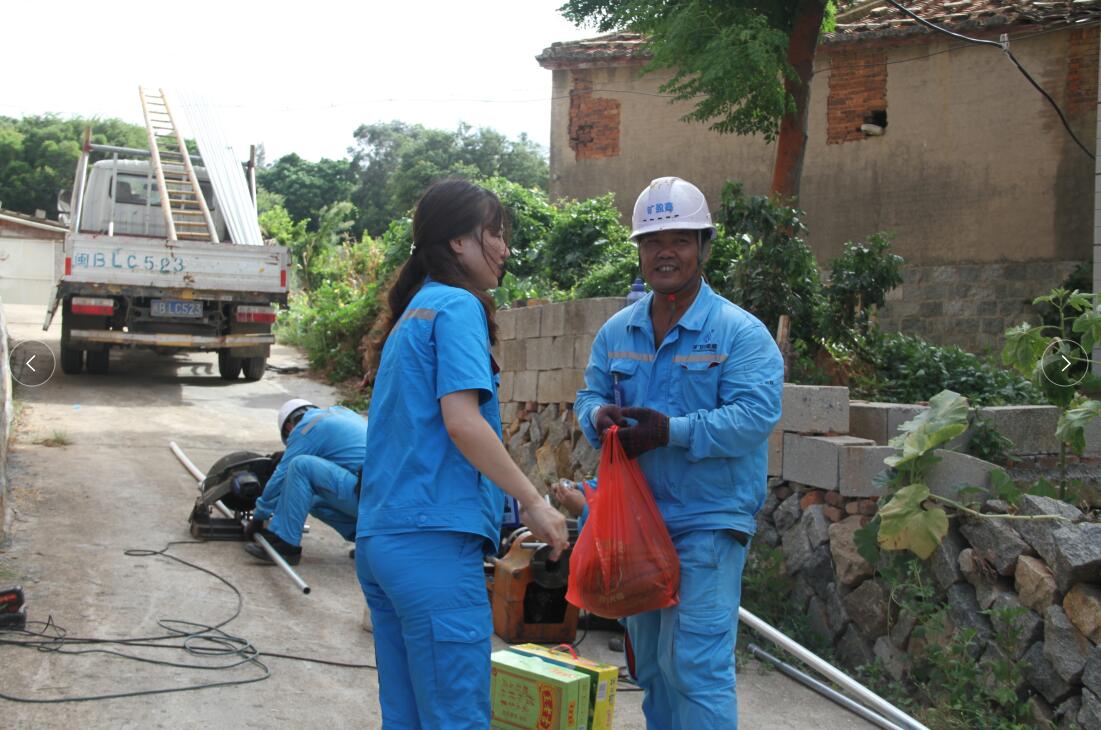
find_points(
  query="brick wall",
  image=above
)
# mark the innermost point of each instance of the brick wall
(594, 121)
(858, 86)
(1081, 85)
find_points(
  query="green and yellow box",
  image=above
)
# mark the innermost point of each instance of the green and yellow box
(527, 693)
(603, 679)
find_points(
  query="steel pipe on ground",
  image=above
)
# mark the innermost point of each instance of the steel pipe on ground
(259, 539)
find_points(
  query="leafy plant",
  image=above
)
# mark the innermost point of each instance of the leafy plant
(987, 442)
(860, 278)
(585, 234)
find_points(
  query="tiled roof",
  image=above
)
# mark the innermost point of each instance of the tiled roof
(599, 51)
(878, 19)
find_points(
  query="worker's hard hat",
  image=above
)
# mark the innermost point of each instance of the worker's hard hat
(289, 408)
(671, 204)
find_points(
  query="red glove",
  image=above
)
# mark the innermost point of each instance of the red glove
(608, 416)
(651, 431)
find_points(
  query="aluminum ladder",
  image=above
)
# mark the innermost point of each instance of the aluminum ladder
(186, 215)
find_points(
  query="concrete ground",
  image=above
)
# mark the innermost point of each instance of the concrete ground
(92, 477)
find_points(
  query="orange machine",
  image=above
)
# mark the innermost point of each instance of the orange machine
(528, 594)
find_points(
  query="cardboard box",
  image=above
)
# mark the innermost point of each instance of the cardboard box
(527, 693)
(603, 681)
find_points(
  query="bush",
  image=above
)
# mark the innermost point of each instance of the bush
(532, 219)
(585, 234)
(860, 278)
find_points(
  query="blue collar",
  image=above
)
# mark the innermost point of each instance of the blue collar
(693, 319)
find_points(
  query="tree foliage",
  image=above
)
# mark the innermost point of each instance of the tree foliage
(38, 156)
(307, 187)
(394, 162)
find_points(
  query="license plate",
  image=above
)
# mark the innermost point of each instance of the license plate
(176, 308)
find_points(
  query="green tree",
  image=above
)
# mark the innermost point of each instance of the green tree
(394, 162)
(307, 187)
(746, 64)
(38, 156)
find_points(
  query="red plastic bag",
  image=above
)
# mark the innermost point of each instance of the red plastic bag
(624, 563)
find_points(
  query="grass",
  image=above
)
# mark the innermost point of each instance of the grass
(57, 437)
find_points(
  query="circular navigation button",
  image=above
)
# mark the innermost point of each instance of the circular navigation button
(32, 363)
(1064, 364)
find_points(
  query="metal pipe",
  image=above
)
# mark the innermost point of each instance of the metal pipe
(823, 689)
(259, 539)
(824, 668)
(129, 151)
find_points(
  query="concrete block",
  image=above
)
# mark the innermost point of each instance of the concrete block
(1030, 428)
(1093, 437)
(554, 320)
(587, 316)
(525, 385)
(880, 421)
(506, 324)
(538, 353)
(582, 349)
(511, 355)
(776, 454)
(549, 389)
(528, 321)
(956, 470)
(858, 467)
(815, 460)
(815, 409)
(573, 380)
(504, 390)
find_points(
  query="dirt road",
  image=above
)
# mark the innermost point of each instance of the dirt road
(92, 477)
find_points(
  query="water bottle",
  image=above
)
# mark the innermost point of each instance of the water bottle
(637, 291)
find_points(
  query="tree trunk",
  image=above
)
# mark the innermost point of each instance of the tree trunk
(792, 142)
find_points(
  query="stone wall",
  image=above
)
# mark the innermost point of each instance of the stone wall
(970, 305)
(6, 414)
(542, 351)
(826, 455)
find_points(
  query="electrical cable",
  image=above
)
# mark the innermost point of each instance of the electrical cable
(198, 640)
(1004, 47)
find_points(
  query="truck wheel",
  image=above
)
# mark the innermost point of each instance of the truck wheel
(72, 360)
(254, 367)
(229, 367)
(98, 361)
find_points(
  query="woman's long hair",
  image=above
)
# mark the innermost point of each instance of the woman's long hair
(448, 210)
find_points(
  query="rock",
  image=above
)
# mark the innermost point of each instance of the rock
(902, 629)
(546, 462)
(1064, 646)
(1038, 533)
(782, 490)
(819, 571)
(585, 458)
(817, 619)
(797, 552)
(559, 433)
(1089, 717)
(992, 657)
(801, 593)
(853, 650)
(1018, 626)
(963, 609)
(944, 562)
(563, 458)
(833, 514)
(1077, 556)
(787, 513)
(772, 501)
(895, 662)
(767, 534)
(1040, 712)
(813, 497)
(1042, 675)
(524, 456)
(546, 416)
(982, 577)
(1083, 607)
(849, 566)
(1066, 714)
(998, 542)
(518, 439)
(1035, 583)
(834, 499)
(867, 607)
(1091, 675)
(815, 526)
(835, 610)
(536, 431)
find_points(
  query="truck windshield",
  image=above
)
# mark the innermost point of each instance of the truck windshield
(140, 190)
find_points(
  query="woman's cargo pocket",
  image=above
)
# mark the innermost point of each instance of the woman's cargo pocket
(462, 648)
(703, 649)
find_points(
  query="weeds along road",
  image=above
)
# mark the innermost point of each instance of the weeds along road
(92, 476)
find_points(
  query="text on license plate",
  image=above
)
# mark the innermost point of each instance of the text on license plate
(176, 308)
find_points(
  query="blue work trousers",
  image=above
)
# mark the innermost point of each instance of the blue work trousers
(319, 487)
(684, 654)
(432, 628)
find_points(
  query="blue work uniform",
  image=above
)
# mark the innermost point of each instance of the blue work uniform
(318, 475)
(718, 375)
(427, 518)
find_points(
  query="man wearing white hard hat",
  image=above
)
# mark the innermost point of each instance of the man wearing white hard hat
(318, 475)
(694, 382)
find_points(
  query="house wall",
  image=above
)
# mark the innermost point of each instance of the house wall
(26, 263)
(974, 170)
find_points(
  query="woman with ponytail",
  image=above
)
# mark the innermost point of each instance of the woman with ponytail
(431, 500)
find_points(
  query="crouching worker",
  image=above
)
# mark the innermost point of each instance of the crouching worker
(318, 475)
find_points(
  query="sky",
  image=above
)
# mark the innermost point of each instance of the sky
(295, 77)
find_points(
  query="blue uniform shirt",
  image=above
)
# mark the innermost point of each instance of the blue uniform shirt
(719, 376)
(335, 434)
(414, 477)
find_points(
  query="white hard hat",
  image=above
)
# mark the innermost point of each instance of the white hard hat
(671, 204)
(288, 410)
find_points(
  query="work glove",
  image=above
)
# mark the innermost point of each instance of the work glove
(651, 431)
(608, 416)
(253, 526)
